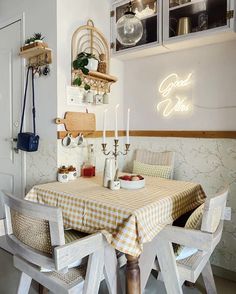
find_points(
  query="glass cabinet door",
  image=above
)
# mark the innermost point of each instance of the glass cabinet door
(147, 11)
(191, 16)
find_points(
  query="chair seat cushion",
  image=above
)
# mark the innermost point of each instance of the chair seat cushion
(162, 171)
(74, 275)
(193, 222)
(70, 236)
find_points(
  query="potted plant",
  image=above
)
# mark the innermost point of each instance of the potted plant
(86, 62)
(29, 41)
(38, 38)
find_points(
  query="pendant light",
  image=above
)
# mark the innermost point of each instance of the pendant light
(129, 28)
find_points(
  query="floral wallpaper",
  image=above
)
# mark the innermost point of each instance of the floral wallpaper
(212, 163)
(41, 166)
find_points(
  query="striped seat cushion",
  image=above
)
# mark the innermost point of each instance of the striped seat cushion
(70, 236)
(162, 171)
(194, 222)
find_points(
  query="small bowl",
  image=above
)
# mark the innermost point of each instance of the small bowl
(132, 185)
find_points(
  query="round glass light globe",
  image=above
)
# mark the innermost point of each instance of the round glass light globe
(129, 30)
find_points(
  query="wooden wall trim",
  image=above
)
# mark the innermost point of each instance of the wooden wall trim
(150, 133)
(185, 134)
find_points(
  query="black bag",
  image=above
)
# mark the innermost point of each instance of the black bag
(28, 141)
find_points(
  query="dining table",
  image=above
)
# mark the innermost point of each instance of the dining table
(127, 218)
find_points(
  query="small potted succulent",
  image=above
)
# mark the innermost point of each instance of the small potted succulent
(38, 38)
(29, 41)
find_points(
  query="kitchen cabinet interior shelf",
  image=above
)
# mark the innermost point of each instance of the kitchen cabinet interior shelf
(194, 6)
(200, 16)
(37, 54)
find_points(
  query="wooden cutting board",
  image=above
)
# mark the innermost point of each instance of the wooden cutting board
(78, 121)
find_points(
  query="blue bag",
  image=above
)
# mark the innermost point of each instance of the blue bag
(27, 141)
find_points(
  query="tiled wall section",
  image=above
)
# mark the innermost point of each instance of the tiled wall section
(41, 166)
(207, 161)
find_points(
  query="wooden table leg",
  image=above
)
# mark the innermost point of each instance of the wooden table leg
(132, 275)
(43, 290)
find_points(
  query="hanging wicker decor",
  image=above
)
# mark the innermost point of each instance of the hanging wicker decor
(89, 39)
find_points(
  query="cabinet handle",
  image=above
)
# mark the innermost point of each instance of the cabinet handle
(230, 14)
(112, 13)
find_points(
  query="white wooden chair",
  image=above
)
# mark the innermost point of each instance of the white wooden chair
(157, 158)
(175, 273)
(36, 234)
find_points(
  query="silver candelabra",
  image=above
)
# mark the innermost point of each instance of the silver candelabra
(115, 152)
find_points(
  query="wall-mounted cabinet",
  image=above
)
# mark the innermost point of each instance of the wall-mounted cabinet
(177, 26)
(150, 14)
(198, 22)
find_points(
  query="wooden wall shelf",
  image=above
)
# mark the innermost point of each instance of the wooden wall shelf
(37, 54)
(102, 76)
(89, 39)
(96, 80)
(151, 133)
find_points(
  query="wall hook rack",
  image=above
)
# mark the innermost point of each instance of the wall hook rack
(37, 54)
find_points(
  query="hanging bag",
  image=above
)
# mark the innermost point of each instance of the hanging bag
(28, 141)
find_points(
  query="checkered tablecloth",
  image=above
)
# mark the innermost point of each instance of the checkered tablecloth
(128, 218)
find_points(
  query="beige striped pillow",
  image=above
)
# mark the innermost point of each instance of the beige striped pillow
(161, 171)
(194, 222)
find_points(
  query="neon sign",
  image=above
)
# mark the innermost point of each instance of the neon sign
(173, 103)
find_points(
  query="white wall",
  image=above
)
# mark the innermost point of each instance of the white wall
(211, 163)
(71, 15)
(214, 77)
(40, 16)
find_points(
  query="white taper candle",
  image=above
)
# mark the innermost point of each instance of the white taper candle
(116, 122)
(104, 126)
(127, 131)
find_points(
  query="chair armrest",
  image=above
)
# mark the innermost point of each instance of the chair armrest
(2, 227)
(187, 237)
(67, 254)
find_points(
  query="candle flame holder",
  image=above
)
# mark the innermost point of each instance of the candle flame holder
(115, 152)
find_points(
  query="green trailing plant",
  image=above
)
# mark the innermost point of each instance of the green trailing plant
(80, 63)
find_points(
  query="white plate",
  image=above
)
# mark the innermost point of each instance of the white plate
(132, 185)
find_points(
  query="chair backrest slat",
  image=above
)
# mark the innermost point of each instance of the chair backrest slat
(2, 228)
(33, 229)
(214, 212)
